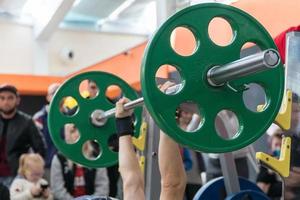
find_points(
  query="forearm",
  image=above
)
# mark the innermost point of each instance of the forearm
(50, 197)
(173, 177)
(133, 183)
(37, 139)
(128, 162)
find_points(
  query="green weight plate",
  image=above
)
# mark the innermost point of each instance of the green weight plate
(81, 119)
(193, 70)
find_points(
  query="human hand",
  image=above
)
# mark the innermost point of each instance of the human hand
(120, 111)
(46, 193)
(124, 124)
(264, 186)
(36, 190)
(294, 177)
(165, 86)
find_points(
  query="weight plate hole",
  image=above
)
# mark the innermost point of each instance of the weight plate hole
(169, 73)
(249, 48)
(68, 106)
(220, 31)
(70, 133)
(255, 98)
(91, 150)
(189, 46)
(88, 89)
(188, 117)
(227, 124)
(113, 93)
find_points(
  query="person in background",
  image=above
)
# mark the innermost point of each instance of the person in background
(18, 134)
(92, 89)
(70, 180)
(4, 192)
(292, 183)
(41, 121)
(29, 184)
(267, 180)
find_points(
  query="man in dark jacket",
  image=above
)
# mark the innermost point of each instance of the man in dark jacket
(4, 192)
(18, 133)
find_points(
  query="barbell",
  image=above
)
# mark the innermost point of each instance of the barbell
(213, 77)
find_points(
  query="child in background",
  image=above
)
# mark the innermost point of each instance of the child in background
(29, 184)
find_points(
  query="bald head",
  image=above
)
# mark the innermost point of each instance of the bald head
(51, 91)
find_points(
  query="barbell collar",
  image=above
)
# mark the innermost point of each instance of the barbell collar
(97, 118)
(218, 75)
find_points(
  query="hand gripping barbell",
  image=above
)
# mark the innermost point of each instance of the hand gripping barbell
(209, 78)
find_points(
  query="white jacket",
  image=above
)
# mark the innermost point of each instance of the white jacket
(20, 190)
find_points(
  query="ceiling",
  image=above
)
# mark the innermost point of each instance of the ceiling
(113, 16)
(120, 16)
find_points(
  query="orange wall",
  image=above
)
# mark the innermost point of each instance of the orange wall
(126, 65)
(30, 84)
(274, 15)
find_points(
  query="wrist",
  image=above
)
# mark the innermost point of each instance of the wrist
(124, 126)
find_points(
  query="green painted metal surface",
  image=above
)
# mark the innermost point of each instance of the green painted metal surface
(193, 70)
(82, 121)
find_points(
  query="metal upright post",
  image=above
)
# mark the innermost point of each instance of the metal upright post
(228, 166)
(152, 174)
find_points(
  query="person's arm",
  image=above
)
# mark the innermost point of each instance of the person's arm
(133, 182)
(4, 192)
(19, 191)
(264, 186)
(294, 178)
(36, 139)
(101, 182)
(57, 181)
(46, 194)
(173, 177)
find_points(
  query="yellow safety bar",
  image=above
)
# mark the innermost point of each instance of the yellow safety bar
(281, 166)
(283, 118)
(139, 142)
